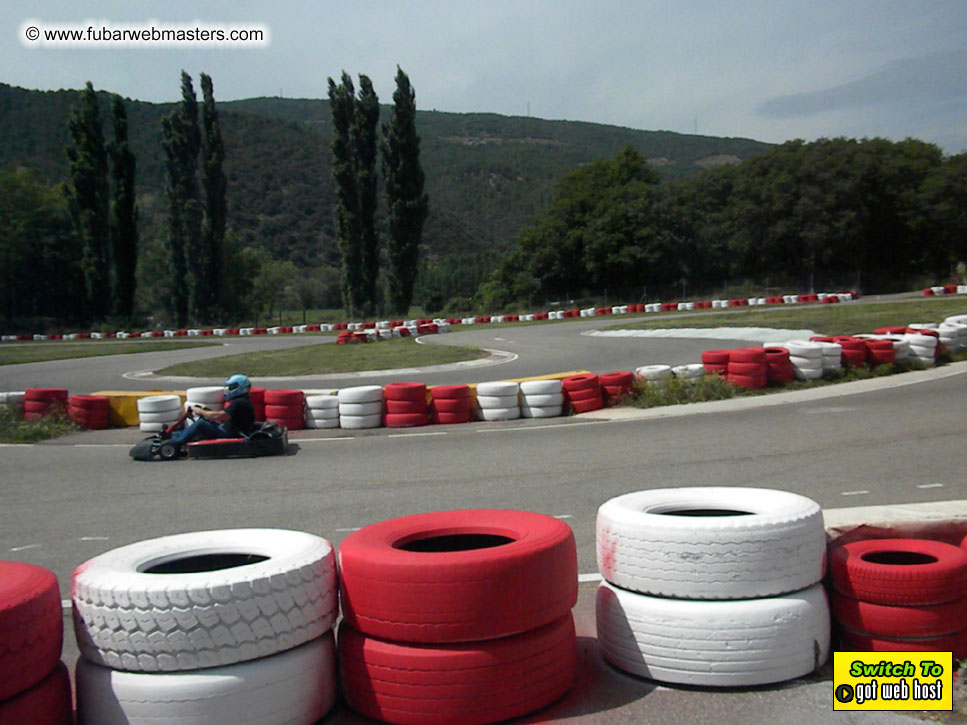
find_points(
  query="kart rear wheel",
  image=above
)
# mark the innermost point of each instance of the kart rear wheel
(168, 452)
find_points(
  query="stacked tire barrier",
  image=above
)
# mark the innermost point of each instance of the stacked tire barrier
(690, 371)
(808, 358)
(652, 374)
(41, 402)
(257, 396)
(693, 575)
(34, 684)
(451, 404)
(716, 361)
(286, 407)
(923, 345)
(747, 368)
(498, 400)
(779, 368)
(900, 595)
(617, 387)
(361, 407)
(582, 393)
(89, 411)
(14, 400)
(322, 411)
(432, 633)
(157, 412)
(541, 398)
(405, 405)
(214, 626)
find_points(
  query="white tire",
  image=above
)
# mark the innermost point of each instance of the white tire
(803, 348)
(297, 686)
(361, 408)
(711, 542)
(692, 371)
(541, 387)
(360, 421)
(159, 403)
(320, 423)
(653, 372)
(324, 413)
(542, 401)
(718, 644)
(806, 363)
(497, 401)
(206, 395)
(541, 411)
(498, 413)
(152, 427)
(168, 416)
(809, 373)
(501, 387)
(957, 319)
(322, 402)
(190, 601)
(14, 399)
(361, 394)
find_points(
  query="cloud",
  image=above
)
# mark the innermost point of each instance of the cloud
(933, 79)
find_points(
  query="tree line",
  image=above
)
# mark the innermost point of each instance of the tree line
(834, 213)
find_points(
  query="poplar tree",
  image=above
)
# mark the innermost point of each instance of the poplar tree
(88, 201)
(366, 150)
(214, 183)
(406, 202)
(181, 141)
(124, 213)
(342, 101)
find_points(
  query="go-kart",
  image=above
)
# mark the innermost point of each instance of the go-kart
(268, 439)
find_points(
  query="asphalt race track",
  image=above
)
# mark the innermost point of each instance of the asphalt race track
(66, 500)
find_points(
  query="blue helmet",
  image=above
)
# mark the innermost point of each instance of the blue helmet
(237, 386)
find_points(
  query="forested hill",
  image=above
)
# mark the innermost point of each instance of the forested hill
(487, 175)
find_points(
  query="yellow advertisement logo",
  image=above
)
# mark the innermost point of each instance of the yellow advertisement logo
(892, 680)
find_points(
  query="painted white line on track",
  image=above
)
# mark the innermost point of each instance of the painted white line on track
(417, 435)
(321, 440)
(14, 445)
(563, 516)
(65, 603)
(101, 445)
(95, 538)
(355, 528)
(24, 548)
(853, 493)
(930, 485)
(537, 427)
(595, 577)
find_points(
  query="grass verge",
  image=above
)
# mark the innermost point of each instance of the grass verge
(845, 318)
(14, 353)
(676, 391)
(14, 429)
(327, 358)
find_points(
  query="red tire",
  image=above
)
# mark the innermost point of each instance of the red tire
(405, 420)
(284, 397)
(290, 423)
(463, 684)
(717, 369)
(886, 620)
(881, 357)
(747, 368)
(443, 577)
(91, 402)
(621, 378)
(452, 418)
(749, 382)
(585, 394)
(584, 381)
(860, 642)
(90, 419)
(452, 405)
(284, 411)
(776, 355)
(46, 703)
(715, 357)
(404, 407)
(900, 571)
(449, 392)
(894, 330)
(854, 357)
(780, 372)
(404, 391)
(586, 406)
(49, 395)
(41, 407)
(31, 626)
(748, 355)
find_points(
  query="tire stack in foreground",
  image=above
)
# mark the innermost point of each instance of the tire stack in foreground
(90, 411)
(451, 404)
(692, 576)
(583, 393)
(157, 412)
(41, 402)
(900, 595)
(498, 400)
(229, 626)
(322, 411)
(405, 405)
(541, 398)
(432, 632)
(286, 407)
(360, 407)
(34, 684)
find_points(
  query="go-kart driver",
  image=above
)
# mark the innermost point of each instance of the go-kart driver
(237, 419)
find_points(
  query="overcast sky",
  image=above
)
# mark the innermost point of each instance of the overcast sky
(771, 70)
